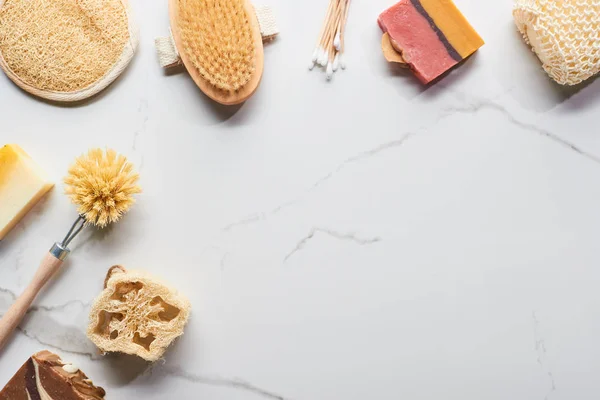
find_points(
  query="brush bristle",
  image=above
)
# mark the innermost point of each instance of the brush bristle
(217, 37)
(102, 185)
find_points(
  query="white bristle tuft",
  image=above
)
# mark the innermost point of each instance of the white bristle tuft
(329, 72)
(322, 56)
(342, 61)
(336, 62)
(323, 60)
(337, 42)
(315, 55)
(311, 65)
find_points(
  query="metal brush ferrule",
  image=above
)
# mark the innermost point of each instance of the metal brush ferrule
(57, 250)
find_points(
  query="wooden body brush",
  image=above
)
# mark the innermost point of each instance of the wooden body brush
(102, 185)
(220, 43)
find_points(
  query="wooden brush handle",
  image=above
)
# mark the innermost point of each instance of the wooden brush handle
(9, 322)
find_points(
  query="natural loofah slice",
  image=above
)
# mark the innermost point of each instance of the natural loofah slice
(565, 35)
(136, 314)
(65, 50)
(220, 44)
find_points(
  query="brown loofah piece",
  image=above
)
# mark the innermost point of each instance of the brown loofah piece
(65, 46)
(389, 51)
(136, 314)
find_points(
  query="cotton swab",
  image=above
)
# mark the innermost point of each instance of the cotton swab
(330, 45)
(336, 62)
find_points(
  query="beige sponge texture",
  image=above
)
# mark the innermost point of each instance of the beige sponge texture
(565, 34)
(217, 37)
(63, 46)
(137, 314)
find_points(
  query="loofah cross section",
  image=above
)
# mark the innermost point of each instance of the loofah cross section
(137, 314)
(217, 38)
(102, 185)
(62, 45)
(565, 34)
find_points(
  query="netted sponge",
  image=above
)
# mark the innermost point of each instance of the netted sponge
(62, 45)
(136, 314)
(565, 34)
(217, 37)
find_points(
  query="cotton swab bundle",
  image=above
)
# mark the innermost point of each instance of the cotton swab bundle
(330, 46)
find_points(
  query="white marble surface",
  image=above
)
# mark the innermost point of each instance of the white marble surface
(366, 238)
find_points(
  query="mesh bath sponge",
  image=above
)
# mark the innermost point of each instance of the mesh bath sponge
(565, 34)
(136, 314)
(65, 50)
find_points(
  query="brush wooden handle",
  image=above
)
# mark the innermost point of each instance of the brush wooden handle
(9, 322)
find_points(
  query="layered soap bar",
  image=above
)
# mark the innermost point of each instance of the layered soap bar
(44, 376)
(431, 36)
(22, 184)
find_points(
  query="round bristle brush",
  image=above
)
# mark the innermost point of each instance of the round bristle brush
(102, 185)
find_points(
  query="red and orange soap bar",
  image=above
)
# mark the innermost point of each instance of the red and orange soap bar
(431, 36)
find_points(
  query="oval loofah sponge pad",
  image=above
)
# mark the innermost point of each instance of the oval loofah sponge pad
(565, 34)
(65, 50)
(220, 44)
(136, 314)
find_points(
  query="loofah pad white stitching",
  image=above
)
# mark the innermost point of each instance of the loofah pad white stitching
(168, 56)
(564, 34)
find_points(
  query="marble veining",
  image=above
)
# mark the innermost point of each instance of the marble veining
(260, 216)
(364, 238)
(532, 127)
(540, 349)
(237, 384)
(336, 235)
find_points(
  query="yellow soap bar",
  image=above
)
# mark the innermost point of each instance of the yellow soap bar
(453, 25)
(22, 184)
